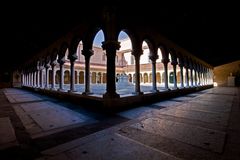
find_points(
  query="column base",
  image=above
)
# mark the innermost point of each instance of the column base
(53, 89)
(72, 91)
(154, 91)
(137, 93)
(167, 89)
(87, 93)
(111, 95)
(61, 90)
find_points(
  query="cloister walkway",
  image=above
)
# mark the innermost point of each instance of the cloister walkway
(200, 125)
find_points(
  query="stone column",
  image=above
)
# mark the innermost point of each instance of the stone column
(165, 64)
(87, 54)
(34, 79)
(26, 79)
(205, 76)
(154, 78)
(199, 78)
(195, 77)
(77, 82)
(37, 74)
(72, 73)
(22, 79)
(61, 83)
(53, 64)
(111, 47)
(206, 72)
(137, 74)
(191, 76)
(174, 64)
(47, 66)
(31, 79)
(41, 77)
(187, 76)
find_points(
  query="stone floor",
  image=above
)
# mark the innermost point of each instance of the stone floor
(200, 126)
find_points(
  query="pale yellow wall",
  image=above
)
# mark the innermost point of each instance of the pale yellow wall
(222, 72)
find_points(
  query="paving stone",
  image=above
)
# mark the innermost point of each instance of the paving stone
(16, 98)
(223, 91)
(168, 103)
(198, 136)
(7, 133)
(182, 99)
(205, 108)
(215, 118)
(136, 112)
(44, 118)
(212, 103)
(216, 98)
(49, 115)
(172, 146)
(116, 147)
(61, 156)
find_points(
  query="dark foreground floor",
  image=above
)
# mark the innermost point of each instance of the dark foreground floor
(202, 125)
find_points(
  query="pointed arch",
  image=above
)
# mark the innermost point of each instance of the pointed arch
(151, 46)
(90, 35)
(54, 54)
(173, 56)
(164, 51)
(125, 51)
(62, 51)
(73, 46)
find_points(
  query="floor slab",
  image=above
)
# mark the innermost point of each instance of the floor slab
(168, 103)
(205, 108)
(198, 136)
(117, 147)
(214, 118)
(216, 98)
(21, 97)
(41, 118)
(182, 99)
(7, 133)
(136, 112)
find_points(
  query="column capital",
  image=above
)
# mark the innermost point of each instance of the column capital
(115, 45)
(153, 58)
(47, 65)
(72, 57)
(137, 52)
(174, 63)
(41, 67)
(53, 63)
(61, 61)
(165, 61)
(87, 52)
